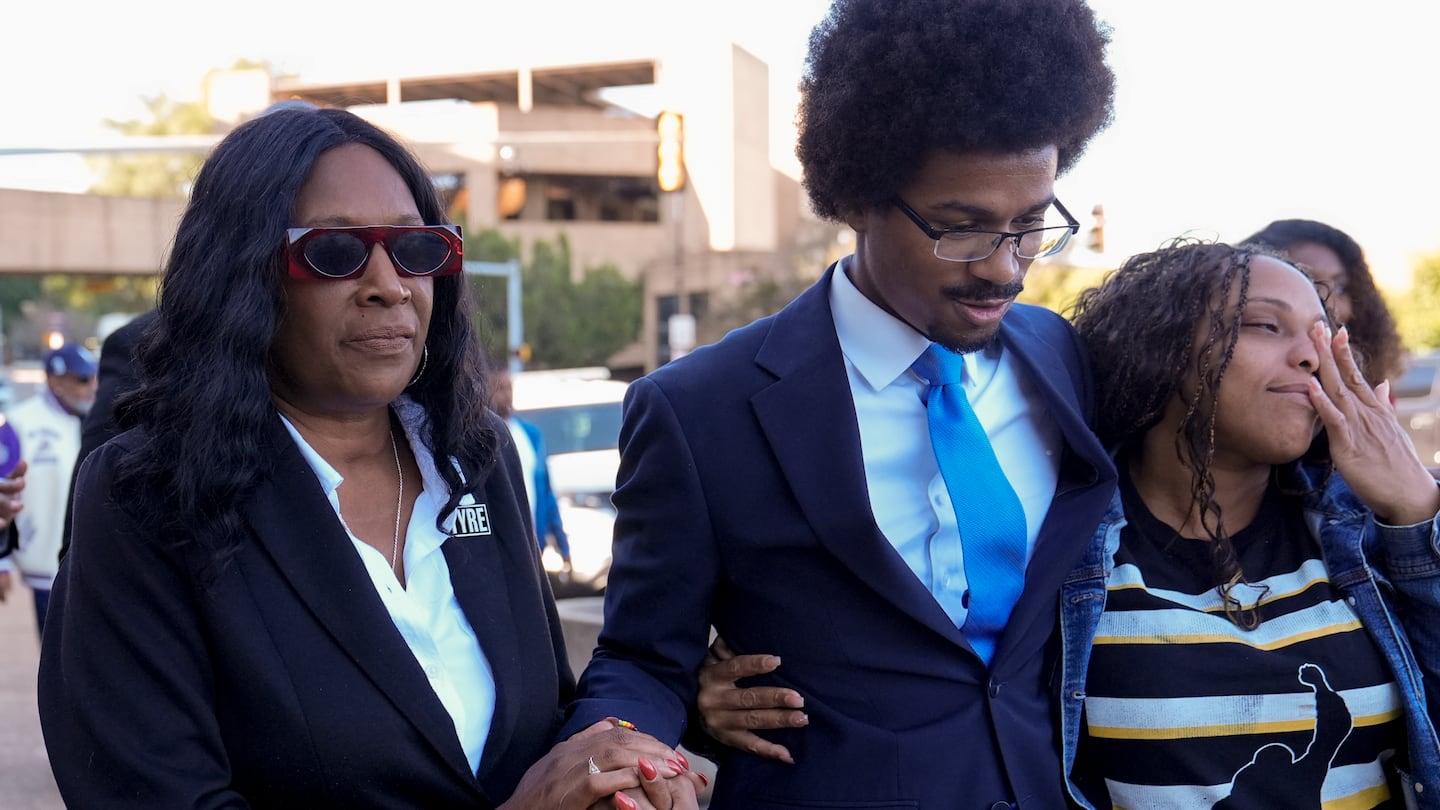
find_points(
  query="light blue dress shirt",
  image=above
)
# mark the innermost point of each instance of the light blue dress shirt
(907, 494)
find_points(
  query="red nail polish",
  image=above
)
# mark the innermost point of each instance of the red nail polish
(625, 802)
(675, 766)
(680, 755)
(648, 770)
(704, 782)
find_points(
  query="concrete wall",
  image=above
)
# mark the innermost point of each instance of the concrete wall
(630, 246)
(46, 232)
(590, 142)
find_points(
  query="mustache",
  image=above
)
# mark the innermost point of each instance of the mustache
(984, 291)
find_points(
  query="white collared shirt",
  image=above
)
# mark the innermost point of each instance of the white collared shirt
(908, 497)
(425, 610)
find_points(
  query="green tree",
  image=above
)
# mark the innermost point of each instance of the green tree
(490, 245)
(99, 294)
(1057, 286)
(14, 292)
(166, 175)
(753, 299)
(576, 324)
(1417, 312)
(567, 323)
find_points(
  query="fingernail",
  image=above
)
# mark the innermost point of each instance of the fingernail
(675, 766)
(648, 770)
(625, 802)
(680, 755)
(704, 780)
(802, 720)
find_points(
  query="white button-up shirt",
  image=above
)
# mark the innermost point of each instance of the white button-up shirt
(425, 610)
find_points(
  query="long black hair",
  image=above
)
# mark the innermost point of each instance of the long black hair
(204, 393)
(1140, 327)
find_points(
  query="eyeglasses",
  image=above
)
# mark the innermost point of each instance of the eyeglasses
(974, 244)
(336, 253)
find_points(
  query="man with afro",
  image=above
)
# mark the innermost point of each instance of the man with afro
(782, 485)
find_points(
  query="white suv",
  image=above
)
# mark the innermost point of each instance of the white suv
(578, 413)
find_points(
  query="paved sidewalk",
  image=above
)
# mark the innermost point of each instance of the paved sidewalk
(25, 781)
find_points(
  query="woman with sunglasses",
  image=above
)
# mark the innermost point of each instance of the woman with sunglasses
(304, 576)
(1257, 620)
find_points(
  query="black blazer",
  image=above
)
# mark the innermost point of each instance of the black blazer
(283, 683)
(743, 502)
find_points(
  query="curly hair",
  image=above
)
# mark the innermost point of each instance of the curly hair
(887, 81)
(1140, 327)
(1372, 328)
(203, 365)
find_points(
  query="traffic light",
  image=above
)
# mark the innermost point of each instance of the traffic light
(1097, 231)
(670, 164)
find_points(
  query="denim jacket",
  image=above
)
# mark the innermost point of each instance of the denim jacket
(1390, 576)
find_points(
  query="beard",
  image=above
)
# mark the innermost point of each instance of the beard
(976, 291)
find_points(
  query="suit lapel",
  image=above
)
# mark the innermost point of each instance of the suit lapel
(1076, 509)
(295, 525)
(808, 416)
(481, 569)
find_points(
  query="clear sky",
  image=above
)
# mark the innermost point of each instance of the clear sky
(1229, 113)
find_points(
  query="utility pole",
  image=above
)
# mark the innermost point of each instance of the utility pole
(670, 174)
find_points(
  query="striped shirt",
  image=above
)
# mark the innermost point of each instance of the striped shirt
(1185, 709)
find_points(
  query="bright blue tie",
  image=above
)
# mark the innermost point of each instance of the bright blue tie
(987, 511)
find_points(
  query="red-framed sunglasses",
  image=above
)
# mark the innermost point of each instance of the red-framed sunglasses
(336, 253)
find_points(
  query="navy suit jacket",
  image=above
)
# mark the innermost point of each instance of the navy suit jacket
(282, 682)
(742, 502)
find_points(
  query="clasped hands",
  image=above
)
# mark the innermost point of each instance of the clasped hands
(609, 766)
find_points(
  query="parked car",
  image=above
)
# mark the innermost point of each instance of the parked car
(1417, 404)
(578, 413)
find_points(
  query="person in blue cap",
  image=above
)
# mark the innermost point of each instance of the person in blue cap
(48, 425)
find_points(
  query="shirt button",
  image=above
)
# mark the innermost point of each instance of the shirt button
(432, 672)
(1002, 806)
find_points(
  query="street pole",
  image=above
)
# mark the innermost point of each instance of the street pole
(682, 324)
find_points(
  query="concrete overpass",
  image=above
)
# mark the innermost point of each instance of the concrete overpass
(47, 232)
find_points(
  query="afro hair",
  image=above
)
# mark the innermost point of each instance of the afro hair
(887, 81)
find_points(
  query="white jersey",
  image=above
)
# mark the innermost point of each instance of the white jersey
(49, 441)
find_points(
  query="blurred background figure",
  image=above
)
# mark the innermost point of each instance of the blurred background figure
(535, 465)
(48, 425)
(116, 376)
(1337, 264)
